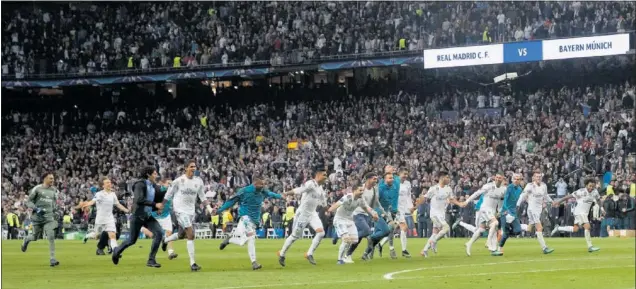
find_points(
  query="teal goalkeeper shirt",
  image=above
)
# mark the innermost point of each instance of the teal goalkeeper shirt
(388, 195)
(510, 200)
(250, 201)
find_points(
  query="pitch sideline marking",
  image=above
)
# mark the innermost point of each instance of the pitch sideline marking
(517, 272)
(389, 276)
(438, 276)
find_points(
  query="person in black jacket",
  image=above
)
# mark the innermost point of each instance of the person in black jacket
(608, 222)
(147, 198)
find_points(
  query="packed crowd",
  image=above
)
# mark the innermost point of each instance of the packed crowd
(569, 133)
(87, 37)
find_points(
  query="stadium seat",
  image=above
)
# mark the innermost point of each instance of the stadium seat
(307, 234)
(271, 234)
(220, 234)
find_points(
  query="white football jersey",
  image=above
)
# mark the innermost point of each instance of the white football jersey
(439, 198)
(535, 195)
(584, 201)
(184, 192)
(370, 197)
(492, 196)
(348, 204)
(405, 203)
(312, 196)
(104, 203)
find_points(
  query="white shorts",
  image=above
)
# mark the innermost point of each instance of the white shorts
(534, 217)
(485, 216)
(165, 223)
(301, 222)
(184, 220)
(580, 219)
(439, 221)
(401, 216)
(244, 227)
(108, 227)
(345, 228)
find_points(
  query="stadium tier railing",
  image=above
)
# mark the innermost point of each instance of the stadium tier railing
(284, 58)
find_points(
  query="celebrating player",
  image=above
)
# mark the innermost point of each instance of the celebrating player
(250, 200)
(183, 193)
(164, 218)
(361, 217)
(148, 198)
(584, 199)
(467, 226)
(388, 191)
(312, 195)
(440, 195)
(343, 220)
(104, 200)
(492, 192)
(42, 200)
(536, 193)
(405, 204)
(508, 219)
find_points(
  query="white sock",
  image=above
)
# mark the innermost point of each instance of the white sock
(568, 229)
(492, 238)
(384, 240)
(90, 235)
(524, 227)
(344, 247)
(251, 248)
(403, 240)
(476, 236)
(288, 242)
(170, 251)
(588, 238)
(315, 242)
(190, 246)
(113, 244)
(430, 240)
(441, 234)
(468, 227)
(541, 240)
(171, 238)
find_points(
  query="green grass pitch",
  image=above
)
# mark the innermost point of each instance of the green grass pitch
(522, 266)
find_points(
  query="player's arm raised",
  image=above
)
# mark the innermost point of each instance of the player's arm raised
(474, 196)
(302, 189)
(273, 195)
(174, 187)
(548, 199)
(82, 205)
(561, 200)
(524, 195)
(454, 201)
(335, 206)
(120, 206)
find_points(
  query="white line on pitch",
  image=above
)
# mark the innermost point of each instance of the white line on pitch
(389, 276)
(516, 272)
(313, 283)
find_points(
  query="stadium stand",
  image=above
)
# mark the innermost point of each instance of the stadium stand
(90, 38)
(569, 118)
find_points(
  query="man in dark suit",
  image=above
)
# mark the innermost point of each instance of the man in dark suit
(424, 220)
(147, 198)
